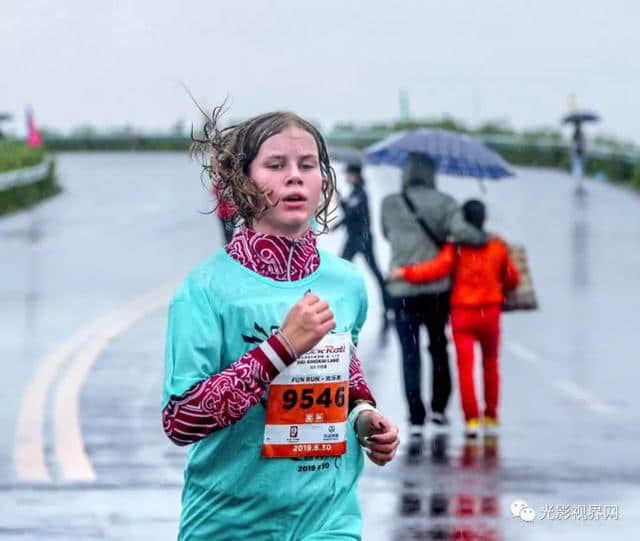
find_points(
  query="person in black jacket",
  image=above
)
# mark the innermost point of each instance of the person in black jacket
(358, 223)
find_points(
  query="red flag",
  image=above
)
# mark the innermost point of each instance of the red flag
(33, 135)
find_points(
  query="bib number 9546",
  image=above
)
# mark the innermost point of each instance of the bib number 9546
(305, 398)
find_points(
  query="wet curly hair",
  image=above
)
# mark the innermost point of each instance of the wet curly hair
(226, 154)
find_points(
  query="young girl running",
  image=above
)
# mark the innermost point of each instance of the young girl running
(480, 277)
(261, 374)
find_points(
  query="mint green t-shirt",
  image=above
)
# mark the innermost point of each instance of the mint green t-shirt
(231, 492)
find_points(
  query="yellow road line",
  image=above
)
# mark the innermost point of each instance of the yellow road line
(29, 455)
(71, 454)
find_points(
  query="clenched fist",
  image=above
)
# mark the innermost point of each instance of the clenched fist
(378, 435)
(308, 321)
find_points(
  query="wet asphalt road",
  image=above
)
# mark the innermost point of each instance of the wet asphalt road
(129, 223)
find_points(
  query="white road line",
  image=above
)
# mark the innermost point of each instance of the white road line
(70, 451)
(523, 352)
(570, 389)
(585, 397)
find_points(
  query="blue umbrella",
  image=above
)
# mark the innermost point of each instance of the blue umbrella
(453, 153)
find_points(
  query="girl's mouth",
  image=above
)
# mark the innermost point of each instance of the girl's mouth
(294, 201)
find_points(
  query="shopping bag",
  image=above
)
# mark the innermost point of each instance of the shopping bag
(524, 296)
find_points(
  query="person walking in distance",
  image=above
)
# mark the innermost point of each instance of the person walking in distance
(357, 221)
(417, 222)
(261, 375)
(481, 275)
(578, 152)
(578, 157)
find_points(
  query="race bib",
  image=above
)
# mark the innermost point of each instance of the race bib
(307, 407)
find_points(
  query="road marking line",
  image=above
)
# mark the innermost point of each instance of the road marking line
(568, 388)
(588, 399)
(29, 456)
(523, 352)
(70, 451)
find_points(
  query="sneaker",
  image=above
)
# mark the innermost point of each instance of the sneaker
(416, 441)
(472, 428)
(439, 418)
(438, 422)
(490, 426)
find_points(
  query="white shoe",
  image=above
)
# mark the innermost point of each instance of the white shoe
(491, 426)
(438, 423)
(472, 428)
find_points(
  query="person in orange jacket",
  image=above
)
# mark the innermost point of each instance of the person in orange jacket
(480, 276)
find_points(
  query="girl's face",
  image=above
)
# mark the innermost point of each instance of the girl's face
(287, 166)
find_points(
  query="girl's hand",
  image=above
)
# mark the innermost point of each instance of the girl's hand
(378, 435)
(396, 274)
(307, 323)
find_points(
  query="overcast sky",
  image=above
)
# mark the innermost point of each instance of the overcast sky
(110, 63)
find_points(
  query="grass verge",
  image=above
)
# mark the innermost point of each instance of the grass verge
(19, 198)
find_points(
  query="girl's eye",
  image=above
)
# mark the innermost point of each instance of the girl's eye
(308, 166)
(274, 166)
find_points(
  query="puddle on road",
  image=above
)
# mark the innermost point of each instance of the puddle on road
(467, 492)
(444, 494)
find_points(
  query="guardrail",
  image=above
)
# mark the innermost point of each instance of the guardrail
(26, 175)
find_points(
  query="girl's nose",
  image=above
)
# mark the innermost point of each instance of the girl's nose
(294, 177)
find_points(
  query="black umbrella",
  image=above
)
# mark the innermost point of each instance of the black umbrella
(577, 117)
